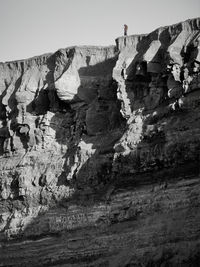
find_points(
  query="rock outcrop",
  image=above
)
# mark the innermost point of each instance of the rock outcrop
(100, 154)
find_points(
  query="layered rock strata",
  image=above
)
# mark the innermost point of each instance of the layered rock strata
(100, 154)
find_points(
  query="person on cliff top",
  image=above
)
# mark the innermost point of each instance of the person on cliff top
(125, 29)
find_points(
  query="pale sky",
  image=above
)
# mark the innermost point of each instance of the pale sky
(33, 27)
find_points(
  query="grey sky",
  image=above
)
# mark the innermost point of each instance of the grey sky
(33, 27)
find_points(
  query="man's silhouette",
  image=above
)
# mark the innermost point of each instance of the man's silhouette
(125, 29)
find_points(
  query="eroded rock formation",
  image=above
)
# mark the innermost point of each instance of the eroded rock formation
(100, 154)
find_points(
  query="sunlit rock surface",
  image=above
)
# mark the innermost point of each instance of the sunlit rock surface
(100, 154)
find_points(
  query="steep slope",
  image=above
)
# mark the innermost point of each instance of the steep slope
(100, 154)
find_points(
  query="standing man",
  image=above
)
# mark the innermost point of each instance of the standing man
(125, 29)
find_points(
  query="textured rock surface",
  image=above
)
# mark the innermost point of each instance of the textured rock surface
(100, 154)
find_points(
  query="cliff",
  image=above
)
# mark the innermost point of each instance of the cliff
(100, 154)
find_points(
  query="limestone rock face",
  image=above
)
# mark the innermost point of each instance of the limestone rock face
(100, 154)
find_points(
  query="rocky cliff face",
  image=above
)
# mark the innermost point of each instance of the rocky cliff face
(100, 154)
